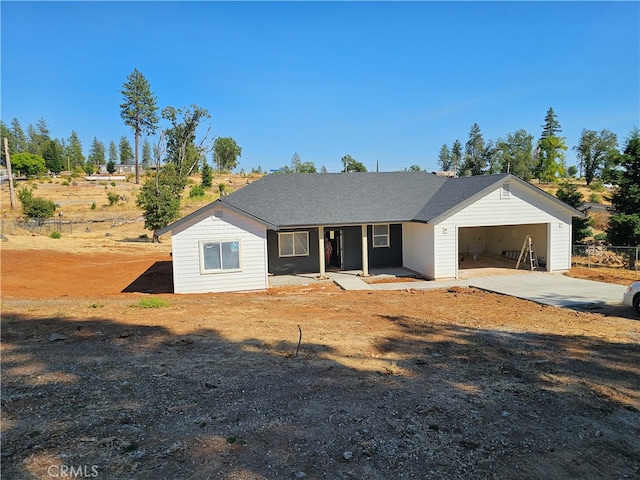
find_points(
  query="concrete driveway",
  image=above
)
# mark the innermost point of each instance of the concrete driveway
(553, 289)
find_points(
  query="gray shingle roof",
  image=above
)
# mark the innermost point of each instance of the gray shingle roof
(287, 200)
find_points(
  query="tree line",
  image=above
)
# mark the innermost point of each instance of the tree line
(597, 153)
(34, 151)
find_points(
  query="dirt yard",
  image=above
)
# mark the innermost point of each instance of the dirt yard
(106, 374)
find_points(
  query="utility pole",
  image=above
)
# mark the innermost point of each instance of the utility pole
(12, 199)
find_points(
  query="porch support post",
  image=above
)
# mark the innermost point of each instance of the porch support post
(321, 251)
(365, 252)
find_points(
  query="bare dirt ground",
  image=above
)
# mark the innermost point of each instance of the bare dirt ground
(106, 374)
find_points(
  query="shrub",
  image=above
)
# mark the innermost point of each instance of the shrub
(595, 197)
(93, 206)
(55, 234)
(39, 208)
(113, 198)
(601, 237)
(35, 207)
(113, 184)
(196, 191)
(151, 302)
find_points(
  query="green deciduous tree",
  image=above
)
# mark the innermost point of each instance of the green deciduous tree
(28, 164)
(159, 198)
(491, 158)
(515, 154)
(595, 152)
(551, 156)
(550, 149)
(225, 153)
(581, 226)
(182, 149)
(350, 164)
(624, 224)
(138, 109)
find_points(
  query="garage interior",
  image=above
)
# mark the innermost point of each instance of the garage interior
(499, 246)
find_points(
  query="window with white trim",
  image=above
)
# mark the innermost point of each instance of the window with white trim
(293, 244)
(506, 191)
(380, 236)
(220, 256)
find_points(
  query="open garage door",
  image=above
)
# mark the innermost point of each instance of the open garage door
(499, 246)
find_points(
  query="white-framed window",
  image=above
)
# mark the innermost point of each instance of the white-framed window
(218, 256)
(506, 191)
(380, 236)
(293, 244)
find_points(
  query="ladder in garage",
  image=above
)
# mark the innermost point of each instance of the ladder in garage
(528, 252)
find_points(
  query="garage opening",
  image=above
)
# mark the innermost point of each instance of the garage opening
(499, 246)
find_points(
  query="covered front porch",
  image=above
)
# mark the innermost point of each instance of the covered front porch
(318, 250)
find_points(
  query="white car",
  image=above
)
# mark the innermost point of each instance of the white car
(632, 296)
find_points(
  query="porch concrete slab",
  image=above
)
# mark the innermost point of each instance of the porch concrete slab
(300, 279)
(553, 289)
(349, 281)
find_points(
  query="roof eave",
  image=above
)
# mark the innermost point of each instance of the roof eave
(210, 206)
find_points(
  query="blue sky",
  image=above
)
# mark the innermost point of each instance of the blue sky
(386, 82)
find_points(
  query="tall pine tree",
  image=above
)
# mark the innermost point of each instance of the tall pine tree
(138, 109)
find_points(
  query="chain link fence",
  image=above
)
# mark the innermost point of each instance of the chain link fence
(46, 226)
(37, 225)
(596, 256)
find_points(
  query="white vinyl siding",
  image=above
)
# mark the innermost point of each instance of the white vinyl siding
(210, 228)
(381, 236)
(417, 248)
(293, 244)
